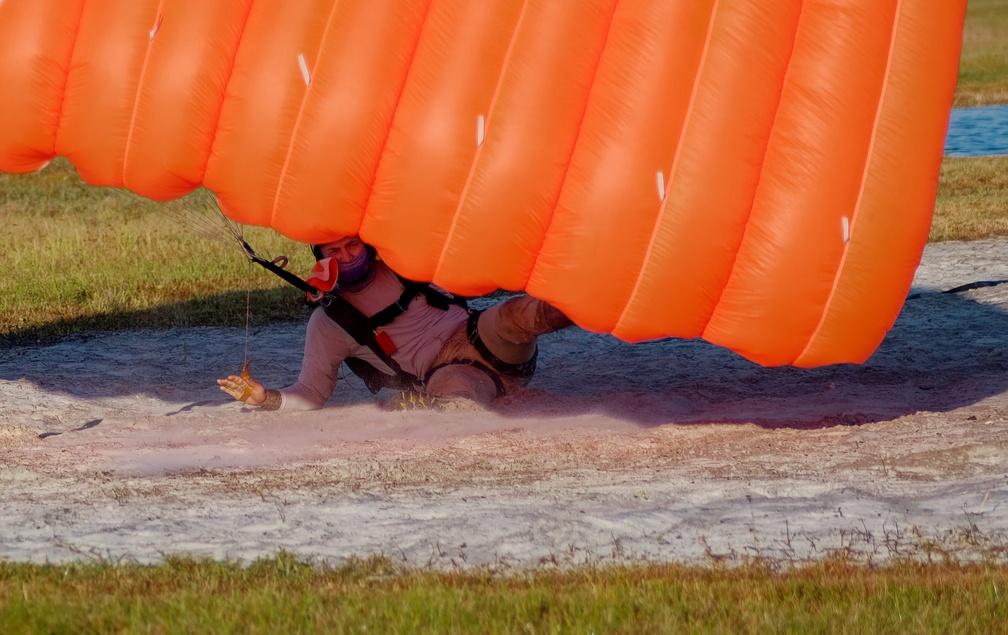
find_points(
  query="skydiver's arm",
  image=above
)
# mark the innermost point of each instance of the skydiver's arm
(326, 346)
(296, 397)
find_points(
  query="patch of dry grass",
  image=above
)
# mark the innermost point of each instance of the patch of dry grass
(972, 199)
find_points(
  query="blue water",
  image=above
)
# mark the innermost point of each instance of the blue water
(977, 132)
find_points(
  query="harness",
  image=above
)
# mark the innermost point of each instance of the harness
(364, 330)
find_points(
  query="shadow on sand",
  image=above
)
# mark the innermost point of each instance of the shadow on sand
(945, 352)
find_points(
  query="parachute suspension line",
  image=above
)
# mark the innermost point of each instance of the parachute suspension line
(194, 208)
(199, 211)
(248, 311)
(234, 228)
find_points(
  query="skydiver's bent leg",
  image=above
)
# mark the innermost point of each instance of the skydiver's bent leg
(509, 330)
(495, 352)
(464, 379)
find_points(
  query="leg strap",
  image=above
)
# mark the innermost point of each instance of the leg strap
(522, 371)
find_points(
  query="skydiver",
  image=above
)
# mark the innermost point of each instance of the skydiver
(437, 350)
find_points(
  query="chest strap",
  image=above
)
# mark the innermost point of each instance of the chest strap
(363, 330)
(358, 326)
(411, 290)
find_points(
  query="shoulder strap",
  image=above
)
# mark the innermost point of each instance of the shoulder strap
(411, 290)
(363, 330)
(359, 327)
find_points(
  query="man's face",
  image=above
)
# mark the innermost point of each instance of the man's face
(343, 250)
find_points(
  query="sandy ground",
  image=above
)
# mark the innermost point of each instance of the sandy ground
(120, 447)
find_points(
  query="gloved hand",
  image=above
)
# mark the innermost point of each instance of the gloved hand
(243, 387)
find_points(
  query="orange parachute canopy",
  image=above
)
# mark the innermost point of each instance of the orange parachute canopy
(759, 174)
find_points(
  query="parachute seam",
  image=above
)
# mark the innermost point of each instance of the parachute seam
(220, 106)
(479, 149)
(300, 116)
(759, 181)
(395, 111)
(136, 98)
(864, 181)
(66, 80)
(690, 109)
(570, 157)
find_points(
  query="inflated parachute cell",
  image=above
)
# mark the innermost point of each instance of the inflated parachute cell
(759, 174)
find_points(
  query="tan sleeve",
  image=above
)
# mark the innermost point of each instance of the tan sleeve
(326, 346)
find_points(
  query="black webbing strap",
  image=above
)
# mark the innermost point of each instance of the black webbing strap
(359, 327)
(522, 371)
(362, 328)
(411, 290)
(287, 276)
(391, 312)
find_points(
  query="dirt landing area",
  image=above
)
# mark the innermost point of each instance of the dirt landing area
(119, 446)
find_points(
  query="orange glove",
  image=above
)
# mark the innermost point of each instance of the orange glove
(243, 387)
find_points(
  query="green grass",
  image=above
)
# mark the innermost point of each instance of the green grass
(285, 595)
(983, 66)
(79, 259)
